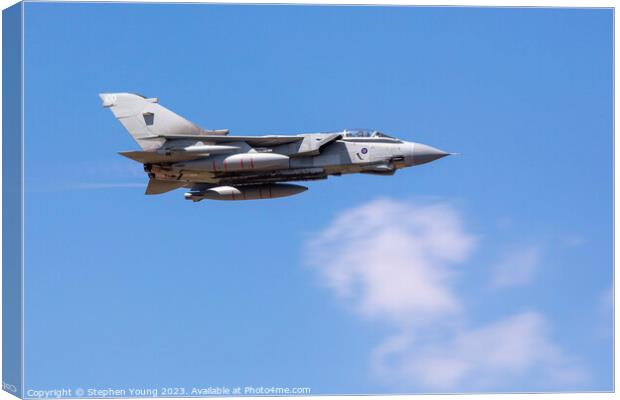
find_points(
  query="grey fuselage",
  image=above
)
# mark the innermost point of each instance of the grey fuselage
(295, 161)
(177, 153)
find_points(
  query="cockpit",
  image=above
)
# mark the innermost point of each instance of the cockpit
(365, 133)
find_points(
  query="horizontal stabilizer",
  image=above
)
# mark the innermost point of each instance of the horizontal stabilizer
(157, 186)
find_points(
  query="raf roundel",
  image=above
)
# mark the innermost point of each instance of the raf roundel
(364, 150)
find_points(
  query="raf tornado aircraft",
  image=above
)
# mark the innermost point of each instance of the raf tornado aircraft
(214, 165)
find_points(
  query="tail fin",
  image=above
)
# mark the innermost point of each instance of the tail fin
(145, 119)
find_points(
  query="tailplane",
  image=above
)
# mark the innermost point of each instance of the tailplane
(157, 186)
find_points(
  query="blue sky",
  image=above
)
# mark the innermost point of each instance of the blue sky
(362, 284)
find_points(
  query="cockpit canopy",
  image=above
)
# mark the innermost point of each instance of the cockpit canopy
(365, 133)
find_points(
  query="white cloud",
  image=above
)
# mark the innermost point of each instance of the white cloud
(398, 263)
(394, 261)
(517, 267)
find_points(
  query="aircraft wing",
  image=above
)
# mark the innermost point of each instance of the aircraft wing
(271, 140)
(150, 157)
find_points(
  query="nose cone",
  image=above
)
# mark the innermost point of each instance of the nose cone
(423, 154)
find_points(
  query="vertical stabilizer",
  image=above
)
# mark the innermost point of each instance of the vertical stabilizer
(145, 119)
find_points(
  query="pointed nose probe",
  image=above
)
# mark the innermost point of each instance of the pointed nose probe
(423, 154)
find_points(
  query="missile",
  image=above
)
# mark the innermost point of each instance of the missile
(212, 149)
(247, 192)
(206, 149)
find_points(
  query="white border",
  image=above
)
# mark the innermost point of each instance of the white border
(475, 3)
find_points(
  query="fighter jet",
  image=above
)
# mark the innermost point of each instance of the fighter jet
(212, 164)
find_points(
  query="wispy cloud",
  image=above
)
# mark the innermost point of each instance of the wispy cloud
(487, 357)
(517, 266)
(48, 187)
(399, 264)
(575, 240)
(605, 312)
(112, 185)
